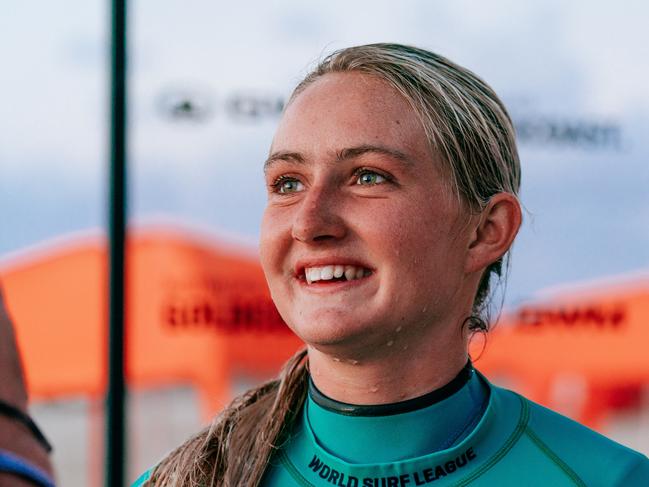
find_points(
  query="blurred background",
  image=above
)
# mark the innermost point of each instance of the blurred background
(208, 81)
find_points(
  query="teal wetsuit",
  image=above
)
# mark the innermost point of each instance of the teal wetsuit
(439, 441)
(467, 433)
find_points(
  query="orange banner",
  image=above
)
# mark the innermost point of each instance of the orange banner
(579, 350)
(198, 312)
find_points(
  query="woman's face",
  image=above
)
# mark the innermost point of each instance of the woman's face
(354, 189)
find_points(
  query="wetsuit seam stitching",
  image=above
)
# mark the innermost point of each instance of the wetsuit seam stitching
(293, 471)
(511, 441)
(547, 451)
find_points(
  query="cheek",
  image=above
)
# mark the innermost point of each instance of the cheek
(270, 243)
(425, 243)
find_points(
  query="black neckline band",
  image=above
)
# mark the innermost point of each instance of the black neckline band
(396, 407)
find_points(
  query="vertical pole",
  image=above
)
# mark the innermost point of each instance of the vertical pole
(115, 407)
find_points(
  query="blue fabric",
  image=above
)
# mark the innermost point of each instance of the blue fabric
(12, 463)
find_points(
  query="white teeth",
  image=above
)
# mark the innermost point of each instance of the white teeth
(350, 272)
(312, 274)
(328, 272)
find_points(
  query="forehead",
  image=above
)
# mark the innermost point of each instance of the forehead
(341, 110)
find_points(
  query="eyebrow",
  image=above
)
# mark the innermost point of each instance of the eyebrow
(342, 155)
(283, 156)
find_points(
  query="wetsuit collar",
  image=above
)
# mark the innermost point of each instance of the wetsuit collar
(420, 426)
(407, 406)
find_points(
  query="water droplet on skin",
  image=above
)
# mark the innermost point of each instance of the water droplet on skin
(399, 328)
(353, 362)
(374, 389)
(336, 359)
(390, 343)
(405, 347)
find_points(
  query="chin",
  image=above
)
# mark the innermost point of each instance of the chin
(335, 334)
(323, 332)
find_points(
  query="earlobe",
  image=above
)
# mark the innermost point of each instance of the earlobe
(496, 229)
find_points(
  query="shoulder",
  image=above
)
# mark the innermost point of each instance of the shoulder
(579, 451)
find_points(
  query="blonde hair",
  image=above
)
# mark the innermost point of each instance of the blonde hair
(469, 127)
(234, 450)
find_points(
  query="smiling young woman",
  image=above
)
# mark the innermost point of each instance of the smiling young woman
(392, 183)
(362, 187)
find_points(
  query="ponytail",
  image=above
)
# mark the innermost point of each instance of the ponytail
(234, 450)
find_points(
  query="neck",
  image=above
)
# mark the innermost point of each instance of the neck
(397, 373)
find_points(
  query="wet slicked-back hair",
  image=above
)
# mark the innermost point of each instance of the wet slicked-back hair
(468, 126)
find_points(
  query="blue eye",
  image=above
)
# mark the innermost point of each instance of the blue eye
(288, 185)
(370, 178)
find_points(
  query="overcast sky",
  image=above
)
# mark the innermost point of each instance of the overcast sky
(574, 75)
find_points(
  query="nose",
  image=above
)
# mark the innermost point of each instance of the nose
(319, 217)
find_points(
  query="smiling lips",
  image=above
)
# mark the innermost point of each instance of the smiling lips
(335, 272)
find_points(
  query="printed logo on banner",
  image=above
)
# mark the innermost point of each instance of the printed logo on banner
(547, 130)
(579, 132)
(222, 306)
(591, 316)
(200, 105)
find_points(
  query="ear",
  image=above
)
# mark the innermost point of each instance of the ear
(497, 227)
